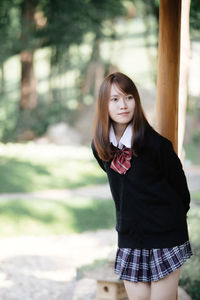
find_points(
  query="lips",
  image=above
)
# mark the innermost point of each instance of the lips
(124, 114)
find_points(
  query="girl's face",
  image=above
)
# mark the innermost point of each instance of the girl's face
(121, 106)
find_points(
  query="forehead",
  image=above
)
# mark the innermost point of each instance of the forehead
(115, 90)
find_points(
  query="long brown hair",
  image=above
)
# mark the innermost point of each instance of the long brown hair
(102, 121)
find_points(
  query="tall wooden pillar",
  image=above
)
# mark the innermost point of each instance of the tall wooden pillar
(168, 69)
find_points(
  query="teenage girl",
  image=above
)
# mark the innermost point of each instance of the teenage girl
(149, 190)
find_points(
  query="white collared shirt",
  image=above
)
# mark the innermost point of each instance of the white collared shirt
(125, 139)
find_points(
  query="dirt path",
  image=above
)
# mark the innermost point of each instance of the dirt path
(45, 267)
(100, 191)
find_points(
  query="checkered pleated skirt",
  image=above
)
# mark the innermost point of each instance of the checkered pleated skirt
(150, 264)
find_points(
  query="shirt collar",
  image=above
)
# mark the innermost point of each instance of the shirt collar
(125, 139)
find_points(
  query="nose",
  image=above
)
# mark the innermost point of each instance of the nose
(122, 103)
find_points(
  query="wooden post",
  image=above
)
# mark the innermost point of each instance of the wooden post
(168, 70)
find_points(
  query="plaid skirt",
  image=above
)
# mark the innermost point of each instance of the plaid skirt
(150, 264)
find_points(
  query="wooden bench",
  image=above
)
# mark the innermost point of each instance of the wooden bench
(108, 285)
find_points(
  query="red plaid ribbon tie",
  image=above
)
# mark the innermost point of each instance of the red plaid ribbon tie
(121, 160)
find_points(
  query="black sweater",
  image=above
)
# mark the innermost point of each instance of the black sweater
(152, 198)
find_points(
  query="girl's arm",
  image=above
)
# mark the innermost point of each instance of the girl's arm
(173, 170)
(96, 156)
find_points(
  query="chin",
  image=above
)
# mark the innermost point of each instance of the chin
(124, 122)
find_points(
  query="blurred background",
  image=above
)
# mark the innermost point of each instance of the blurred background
(53, 196)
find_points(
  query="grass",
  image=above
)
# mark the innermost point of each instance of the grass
(31, 167)
(43, 217)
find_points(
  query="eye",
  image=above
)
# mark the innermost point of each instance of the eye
(114, 99)
(129, 97)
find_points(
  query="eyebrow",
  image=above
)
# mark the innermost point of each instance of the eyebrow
(117, 95)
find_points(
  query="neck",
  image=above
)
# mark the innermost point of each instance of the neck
(119, 130)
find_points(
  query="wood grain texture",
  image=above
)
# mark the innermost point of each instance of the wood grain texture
(168, 70)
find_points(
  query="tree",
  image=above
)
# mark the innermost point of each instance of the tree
(28, 25)
(28, 80)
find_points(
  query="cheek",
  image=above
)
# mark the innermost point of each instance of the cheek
(110, 109)
(133, 106)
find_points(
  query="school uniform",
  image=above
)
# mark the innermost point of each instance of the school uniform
(151, 199)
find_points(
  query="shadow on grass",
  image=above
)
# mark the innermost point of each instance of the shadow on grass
(18, 209)
(77, 216)
(17, 176)
(100, 214)
(25, 176)
(87, 179)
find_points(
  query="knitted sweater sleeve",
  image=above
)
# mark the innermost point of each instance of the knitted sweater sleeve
(96, 156)
(173, 170)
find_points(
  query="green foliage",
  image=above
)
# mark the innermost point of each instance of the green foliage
(149, 9)
(190, 276)
(74, 18)
(65, 23)
(189, 279)
(69, 21)
(37, 119)
(5, 22)
(194, 18)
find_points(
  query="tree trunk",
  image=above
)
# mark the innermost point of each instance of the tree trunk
(28, 80)
(184, 71)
